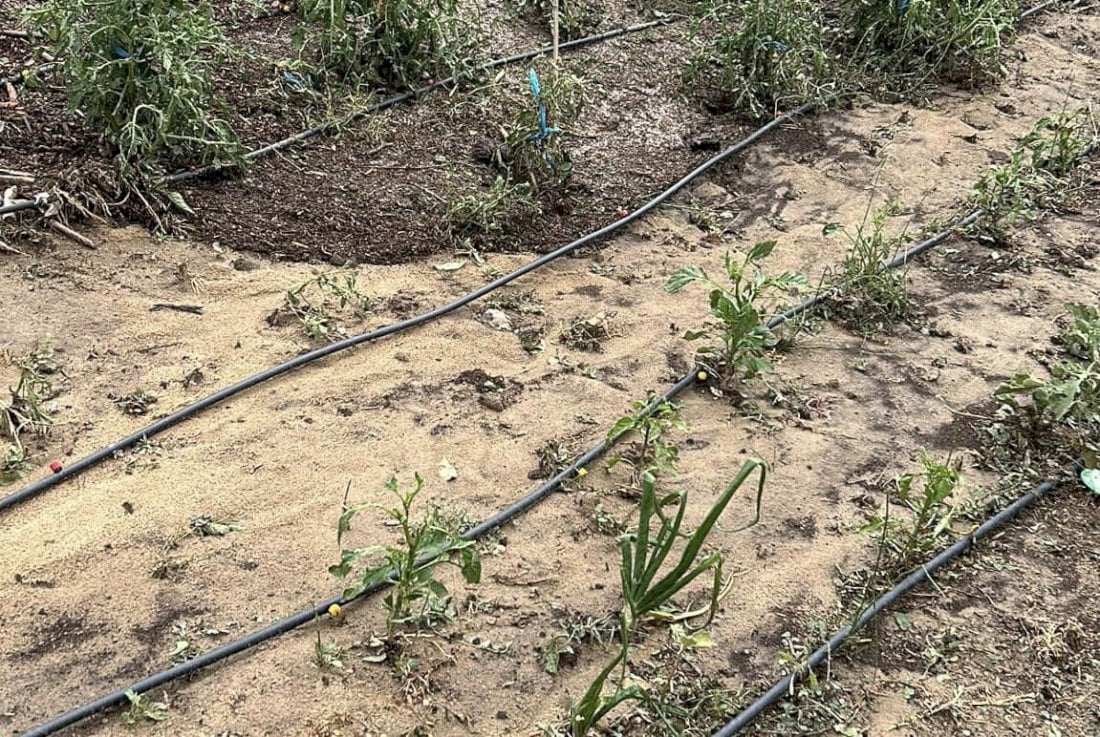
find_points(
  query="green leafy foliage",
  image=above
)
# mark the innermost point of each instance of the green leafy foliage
(651, 455)
(651, 575)
(761, 56)
(144, 709)
(504, 205)
(314, 302)
(416, 598)
(396, 44)
(1038, 175)
(930, 511)
(140, 72)
(871, 297)
(959, 40)
(743, 337)
(576, 18)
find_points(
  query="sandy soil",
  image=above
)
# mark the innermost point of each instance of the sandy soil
(81, 611)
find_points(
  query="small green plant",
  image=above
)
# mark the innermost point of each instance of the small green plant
(743, 334)
(765, 55)
(416, 597)
(506, 204)
(398, 44)
(1064, 410)
(651, 454)
(648, 584)
(141, 72)
(961, 41)
(26, 408)
(144, 709)
(327, 654)
(205, 526)
(927, 495)
(313, 302)
(1058, 145)
(533, 150)
(870, 296)
(561, 647)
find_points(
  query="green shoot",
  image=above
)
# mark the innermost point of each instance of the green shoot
(144, 709)
(651, 454)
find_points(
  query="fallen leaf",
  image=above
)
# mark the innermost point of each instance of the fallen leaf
(450, 266)
(447, 471)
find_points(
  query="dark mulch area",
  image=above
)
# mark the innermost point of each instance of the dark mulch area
(377, 192)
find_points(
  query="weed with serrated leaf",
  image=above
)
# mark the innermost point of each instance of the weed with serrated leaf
(743, 334)
(144, 709)
(651, 454)
(416, 597)
(313, 302)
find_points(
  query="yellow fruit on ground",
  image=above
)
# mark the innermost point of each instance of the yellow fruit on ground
(701, 376)
(334, 611)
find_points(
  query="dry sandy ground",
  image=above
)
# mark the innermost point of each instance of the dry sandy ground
(81, 612)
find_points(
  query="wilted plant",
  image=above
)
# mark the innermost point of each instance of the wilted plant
(143, 708)
(140, 71)
(26, 408)
(648, 584)
(13, 463)
(416, 597)
(575, 17)
(869, 294)
(959, 40)
(651, 454)
(764, 55)
(312, 303)
(533, 150)
(743, 334)
(398, 44)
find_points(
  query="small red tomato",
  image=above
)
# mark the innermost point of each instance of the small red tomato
(55, 466)
(429, 83)
(621, 213)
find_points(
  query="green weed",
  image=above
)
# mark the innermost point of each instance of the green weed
(743, 335)
(144, 709)
(651, 454)
(1039, 175)
(327, 655)
(136, 402)
(871, 297)
(927, 497)
(140, 71)
(763, 56)
(416, 597)
(498, 210)
(910, 41)
(313, 302)
(26, 409)
(1060, 415)
(533, 150)
(648, 584)
(13, 464)
(397, 44)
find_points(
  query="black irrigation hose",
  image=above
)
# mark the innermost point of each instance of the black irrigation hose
(413, 94)
(184, 413)
(505, 515)
(918, 576)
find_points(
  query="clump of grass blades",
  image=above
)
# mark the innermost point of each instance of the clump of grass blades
(911, 41)
(397, 44)
(140, 71)
(648, 584)
(871, 297)
(765, 55)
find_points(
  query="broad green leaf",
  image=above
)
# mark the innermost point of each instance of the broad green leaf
(179, 203)
(831, 228)
(683, 277)
(760, 251)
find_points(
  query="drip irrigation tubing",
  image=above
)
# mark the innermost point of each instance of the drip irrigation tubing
(918, 576)
(190, 410)
(413, 94)
(477, 531)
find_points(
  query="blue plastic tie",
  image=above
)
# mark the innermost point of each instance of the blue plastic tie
(777, 45)
(120, 53)
(903, 5)
(545, 131)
